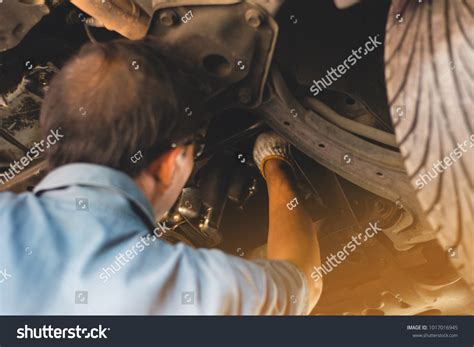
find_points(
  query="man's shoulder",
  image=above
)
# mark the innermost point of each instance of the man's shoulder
(8, 199)
(12, 203)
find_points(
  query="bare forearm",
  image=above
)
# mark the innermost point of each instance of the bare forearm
(291, 235)
(290, 231)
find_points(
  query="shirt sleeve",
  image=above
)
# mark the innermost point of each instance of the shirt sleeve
(231, 285)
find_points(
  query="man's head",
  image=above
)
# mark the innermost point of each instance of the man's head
(112, 101)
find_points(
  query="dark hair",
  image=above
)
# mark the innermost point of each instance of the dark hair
(112, 100)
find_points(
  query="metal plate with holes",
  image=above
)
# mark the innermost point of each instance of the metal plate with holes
(229, 56)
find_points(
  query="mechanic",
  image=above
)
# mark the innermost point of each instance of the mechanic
(96, 203)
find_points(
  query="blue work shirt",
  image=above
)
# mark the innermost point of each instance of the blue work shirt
(81, 243)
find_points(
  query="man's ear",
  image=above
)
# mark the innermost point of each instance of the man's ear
(163, 168)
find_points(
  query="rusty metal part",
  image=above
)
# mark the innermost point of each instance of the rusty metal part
(371, 167)
(16, 20)
(229, 56)
(122, 16)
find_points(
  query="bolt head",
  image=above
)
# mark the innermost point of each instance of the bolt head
(253, 18)
(167, 18)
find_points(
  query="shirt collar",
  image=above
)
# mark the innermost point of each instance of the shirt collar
(91, 175)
